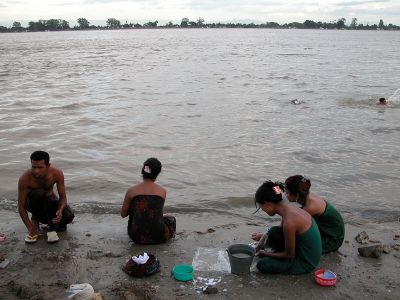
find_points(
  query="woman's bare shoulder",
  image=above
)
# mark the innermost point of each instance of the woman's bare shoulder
(161, 190)
(316, 205)
(133, 191)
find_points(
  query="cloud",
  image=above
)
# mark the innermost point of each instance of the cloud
(117, 1)
(363, 2)
(230, 4)
(210, 10)
(63, 4)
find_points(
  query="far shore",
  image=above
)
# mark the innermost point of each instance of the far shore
(194, 28)
(113, 24)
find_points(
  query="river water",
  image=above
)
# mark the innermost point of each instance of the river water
(215, 106)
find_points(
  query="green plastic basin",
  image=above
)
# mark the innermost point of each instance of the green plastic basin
(183, 272)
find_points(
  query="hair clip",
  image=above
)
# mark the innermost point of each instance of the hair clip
(277, 190)
(147, 169)
(304, 178)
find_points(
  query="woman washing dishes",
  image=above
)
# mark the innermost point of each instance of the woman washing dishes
(295, 244)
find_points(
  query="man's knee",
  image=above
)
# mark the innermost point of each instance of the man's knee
(68, 215)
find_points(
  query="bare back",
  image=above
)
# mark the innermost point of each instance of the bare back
(297, 218)
(147, 187)
(295, 221)
(315, 205)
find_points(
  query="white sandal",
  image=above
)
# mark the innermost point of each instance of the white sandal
(30, 239)
(52, 237)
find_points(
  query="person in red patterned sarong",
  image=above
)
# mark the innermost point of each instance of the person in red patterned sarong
(144, 205)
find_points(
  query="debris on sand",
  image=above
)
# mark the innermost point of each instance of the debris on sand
(386, 248)
(97, 296)
(133, 291)
(4, 263)
(362, 237)
(210, 290)
(97, 254)
(23, 291)
(371, 251)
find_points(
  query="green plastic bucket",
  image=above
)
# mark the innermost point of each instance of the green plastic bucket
(240, 258)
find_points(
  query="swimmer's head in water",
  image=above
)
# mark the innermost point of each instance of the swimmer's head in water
(382, 100)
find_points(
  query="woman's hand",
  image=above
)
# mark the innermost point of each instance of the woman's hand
(259, 247)
(261, 253)
(256, 236)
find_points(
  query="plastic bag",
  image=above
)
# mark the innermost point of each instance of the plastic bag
(81, 291)
(211, 259)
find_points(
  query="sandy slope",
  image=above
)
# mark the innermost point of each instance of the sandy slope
(95, 247)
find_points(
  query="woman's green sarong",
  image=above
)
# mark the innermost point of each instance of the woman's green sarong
(308, 252)
(331, 227)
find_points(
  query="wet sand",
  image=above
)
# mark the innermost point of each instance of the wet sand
(95, 247)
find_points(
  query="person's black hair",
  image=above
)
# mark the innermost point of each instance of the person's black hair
(269, 192)
(298, 185)
(151, 168)
(41, 155)
(382, 100)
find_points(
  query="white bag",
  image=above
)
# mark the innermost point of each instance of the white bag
(81, 291)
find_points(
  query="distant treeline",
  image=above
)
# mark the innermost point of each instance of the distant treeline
(112, 23)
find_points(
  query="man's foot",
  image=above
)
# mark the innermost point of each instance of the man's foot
(256, 236)
(52, 237)
(30, 239)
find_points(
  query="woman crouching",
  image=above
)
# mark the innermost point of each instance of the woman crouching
(327, 217)
(296, 244)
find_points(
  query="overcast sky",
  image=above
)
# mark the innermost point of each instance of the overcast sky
(366, 11)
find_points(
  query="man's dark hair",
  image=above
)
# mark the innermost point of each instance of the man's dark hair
(41, 155)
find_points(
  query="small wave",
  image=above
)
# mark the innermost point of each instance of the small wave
(357, 179)
(230, 206)
(371, 103)
(395, 97)
(99, 208)
(370, 85)
(193, 116)
(311, 157)
(385, 130)
(294, 54)
(368, 215)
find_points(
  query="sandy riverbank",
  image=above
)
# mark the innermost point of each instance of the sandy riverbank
(95, 247)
